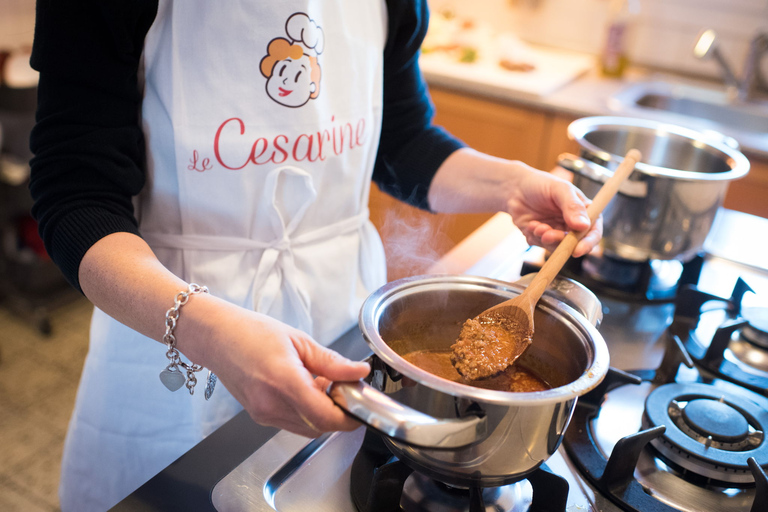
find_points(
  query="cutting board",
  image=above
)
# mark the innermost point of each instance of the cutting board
(553, 69)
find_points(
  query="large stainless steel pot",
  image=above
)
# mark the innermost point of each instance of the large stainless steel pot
(457, 433)
(666, 208)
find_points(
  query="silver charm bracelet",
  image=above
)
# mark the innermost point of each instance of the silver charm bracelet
(172, 377)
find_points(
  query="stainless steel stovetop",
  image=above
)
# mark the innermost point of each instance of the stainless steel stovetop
(293, 473)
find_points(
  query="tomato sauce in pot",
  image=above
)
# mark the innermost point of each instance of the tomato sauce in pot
(516, 378)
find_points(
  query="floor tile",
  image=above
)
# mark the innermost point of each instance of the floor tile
(14, 499)
(39, 375)
(38, 476)
(23, 435)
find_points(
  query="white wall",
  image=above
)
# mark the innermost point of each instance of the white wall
(664, 35)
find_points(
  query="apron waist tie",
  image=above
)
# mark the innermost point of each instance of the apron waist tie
(276, 266)
(234, 243)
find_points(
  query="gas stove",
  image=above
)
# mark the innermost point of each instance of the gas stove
(673, 438)
(677, 425)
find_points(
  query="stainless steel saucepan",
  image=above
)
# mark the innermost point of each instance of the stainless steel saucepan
(666, 208)
(454, 432)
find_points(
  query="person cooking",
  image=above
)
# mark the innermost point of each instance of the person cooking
(201, 174)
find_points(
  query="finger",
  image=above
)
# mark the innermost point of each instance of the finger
(319, 410)
(552, 237)
(575, 216)
(590, 240)
(325, 362)
(315, 406)
(309, 398)
(322, 384)
(306, 411)
(573, 204)
(540, 230)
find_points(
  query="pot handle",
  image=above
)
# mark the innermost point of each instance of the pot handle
(595, 172)
(720, 138)
(390, 417)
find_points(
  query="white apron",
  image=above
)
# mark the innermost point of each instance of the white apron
(262, 121)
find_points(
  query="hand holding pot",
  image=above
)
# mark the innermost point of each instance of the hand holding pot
(269, 366)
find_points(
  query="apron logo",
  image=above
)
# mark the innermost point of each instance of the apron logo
(291, 66)
(234, 149)
(293, 78)
(198, 164)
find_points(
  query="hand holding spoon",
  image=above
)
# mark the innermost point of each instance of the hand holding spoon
(495, 338)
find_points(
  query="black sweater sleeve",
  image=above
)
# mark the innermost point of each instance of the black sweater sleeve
(411, 148)
(87, 140)
(88, 143)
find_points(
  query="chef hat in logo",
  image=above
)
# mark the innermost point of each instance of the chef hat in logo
(305, 32)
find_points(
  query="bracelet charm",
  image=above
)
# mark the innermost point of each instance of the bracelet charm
(179, 373)
(172, 378)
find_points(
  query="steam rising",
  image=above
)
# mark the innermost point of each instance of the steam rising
(413, 240)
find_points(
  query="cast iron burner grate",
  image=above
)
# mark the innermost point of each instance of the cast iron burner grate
(740, 329)
(615, 477)
(756, 330)
(379, 483)
(710, 432)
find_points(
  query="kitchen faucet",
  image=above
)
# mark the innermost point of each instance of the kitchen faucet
(752, 79)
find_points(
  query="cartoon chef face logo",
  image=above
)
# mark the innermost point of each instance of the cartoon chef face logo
(291, 66)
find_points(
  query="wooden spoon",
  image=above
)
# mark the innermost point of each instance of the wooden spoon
(494, 339)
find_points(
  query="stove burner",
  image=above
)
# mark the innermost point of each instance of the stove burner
(422, 494)
(382, 483)
(724, 340)
(710, 432)
(756, 330)
(711, 422)
(608, 445)
(644, 281)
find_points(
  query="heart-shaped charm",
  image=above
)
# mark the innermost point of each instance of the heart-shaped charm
(172, 379)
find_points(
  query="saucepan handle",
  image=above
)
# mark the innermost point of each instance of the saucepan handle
(600, 174)
(403, 423)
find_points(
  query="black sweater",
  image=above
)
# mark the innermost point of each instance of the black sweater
(88, 143)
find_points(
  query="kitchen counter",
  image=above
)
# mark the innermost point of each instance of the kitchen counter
(495, 249)
(591, 94)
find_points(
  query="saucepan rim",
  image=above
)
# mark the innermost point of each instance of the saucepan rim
(711, 142)
(591, 376)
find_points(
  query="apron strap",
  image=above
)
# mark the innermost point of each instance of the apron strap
(232, 243)
(276, 269)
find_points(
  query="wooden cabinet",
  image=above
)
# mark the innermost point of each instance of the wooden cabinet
(500, 129)
(750, 194)
(557, 141)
